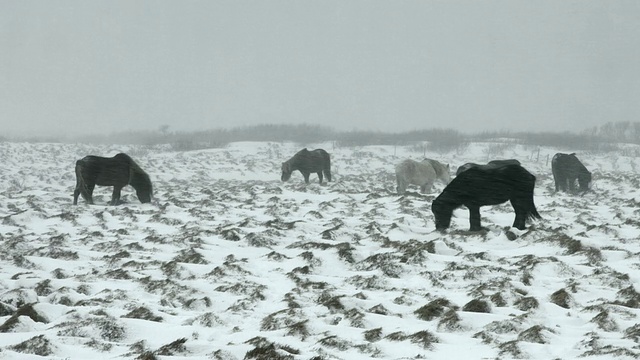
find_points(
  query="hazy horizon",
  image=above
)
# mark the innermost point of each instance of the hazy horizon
(76, 67)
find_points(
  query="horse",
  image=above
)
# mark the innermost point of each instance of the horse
(117, 171)
(490, 164)
(307, 162)
(423, 174)
(480, 186)
(566, 169)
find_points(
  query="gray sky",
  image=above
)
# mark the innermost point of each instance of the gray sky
(102, 66)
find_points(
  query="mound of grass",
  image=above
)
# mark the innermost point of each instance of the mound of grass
(477, 305)
(631, 297)
(511, 350)
(174, 348)
(373, 335)
(605, 322)
(434, 309)
(498, 300)
(450, 321)
(25, 310)
(534, 334)
(143, 313)
(267, 350)
(424, 338)
(190, 256)
(561, 298)
(299, 329)
(387, 263)
(37, 345)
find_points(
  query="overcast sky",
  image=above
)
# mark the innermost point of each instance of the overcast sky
(102, 66)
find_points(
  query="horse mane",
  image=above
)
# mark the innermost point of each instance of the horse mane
(138, 178)
(438, 167)
(442, 170)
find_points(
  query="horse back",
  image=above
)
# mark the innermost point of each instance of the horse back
(568, 162)
(490, 186)
(98, 170)
(415, 172)
(441, 170)
(310, 161)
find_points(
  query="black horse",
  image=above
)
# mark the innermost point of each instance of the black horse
(479, 186)
(490, 165)
(566, 170)
(307, 162)
(117, 171)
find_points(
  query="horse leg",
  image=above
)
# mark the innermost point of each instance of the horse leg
(572, 185)
(562, 183)
(320, 176)
(115, 197)
(474, 218)
(519, 222)
(401, 187)
(306, 177)
(87, 193)
(426, 187)
(76, 193)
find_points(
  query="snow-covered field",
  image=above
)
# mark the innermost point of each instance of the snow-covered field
(230, 263)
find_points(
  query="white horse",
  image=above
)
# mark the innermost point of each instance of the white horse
(423, 174)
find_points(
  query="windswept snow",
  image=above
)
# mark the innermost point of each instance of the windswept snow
(230, 263)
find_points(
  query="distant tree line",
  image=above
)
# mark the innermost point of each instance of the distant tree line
(597, 138)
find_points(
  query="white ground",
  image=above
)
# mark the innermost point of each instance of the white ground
(228, 260)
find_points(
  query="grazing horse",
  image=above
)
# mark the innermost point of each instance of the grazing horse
(423, 174)
(491, 164)
(117, 171)
(479, 186)
(307, 162)
(566, 170)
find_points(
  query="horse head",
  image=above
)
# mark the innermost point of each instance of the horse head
(447, 174)
(286, 171)
(442, 214)
(584, 181)
(144, 195)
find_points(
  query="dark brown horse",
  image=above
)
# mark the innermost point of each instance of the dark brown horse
(491, 164)
(307, 162)
(567, 169)
(117, 171)
(480, 186)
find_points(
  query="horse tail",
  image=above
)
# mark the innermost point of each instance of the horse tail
(533, 214)
(327, 166)
(81, 184)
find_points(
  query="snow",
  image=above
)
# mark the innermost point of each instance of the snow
(228, 260)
